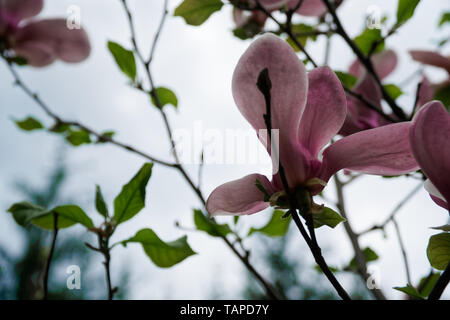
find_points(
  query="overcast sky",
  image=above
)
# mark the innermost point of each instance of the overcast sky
(197, 63)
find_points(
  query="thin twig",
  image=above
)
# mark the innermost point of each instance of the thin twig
(364, 60)
(360, 258)
(369, 104)
(60, 121)
(50, 255)
(287, 30)
(270, 290)
(397, 208)
(403, 249)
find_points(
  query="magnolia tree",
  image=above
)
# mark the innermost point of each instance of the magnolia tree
(319, 126)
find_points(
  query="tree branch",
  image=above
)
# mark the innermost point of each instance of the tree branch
(364, 60)
(50, 255)
(360, 259)
(271, 292)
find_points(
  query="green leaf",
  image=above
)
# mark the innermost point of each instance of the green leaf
(427, 283)
(24, 212)
(445, 18)
(410, 291)
(100, 203)
(393, 90)
(124, 59)
(369, 255)
(131, 199)
(276, 227)
(236, 219)
(195, 12)
(78, 137)
(348, 80)
(68, 216)
(105, 136)
(327, 217)
(332, 269)
(166, 96)
(60, 128)
(29, 124)
(405, 10)
(209, 226)
(366, 40)
(163, 254)
(298, 30)
(443, 95)
(438, 250)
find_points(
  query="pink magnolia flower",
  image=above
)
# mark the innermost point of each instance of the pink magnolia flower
(40, 42)
(359, 116)
(429, 137)
(312, 8)
(435, 59)
(308, 110)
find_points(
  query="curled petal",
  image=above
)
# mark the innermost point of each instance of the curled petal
(435, 195)
(325, 110)
(380, 151)
(430, 136)
(239, 197)
(431, 58)
(21, 9)
(383, 62)
(67, 45)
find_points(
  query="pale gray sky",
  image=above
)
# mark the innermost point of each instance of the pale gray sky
(197, 63)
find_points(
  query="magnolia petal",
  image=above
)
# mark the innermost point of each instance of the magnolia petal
(325, 110)
(241, 18)
(435, 195)
(36, 53)
(384, 63)
(288, 95)
(239, 197)
(430, 136)
(21, 9)
(360, 116)
(68, 45)
(380, 151)
(272, 4)
(312, 8)
(350, 125)
(289, 85)
(431, 58)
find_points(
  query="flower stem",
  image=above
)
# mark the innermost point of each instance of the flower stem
(440, 285)
(264, 84)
